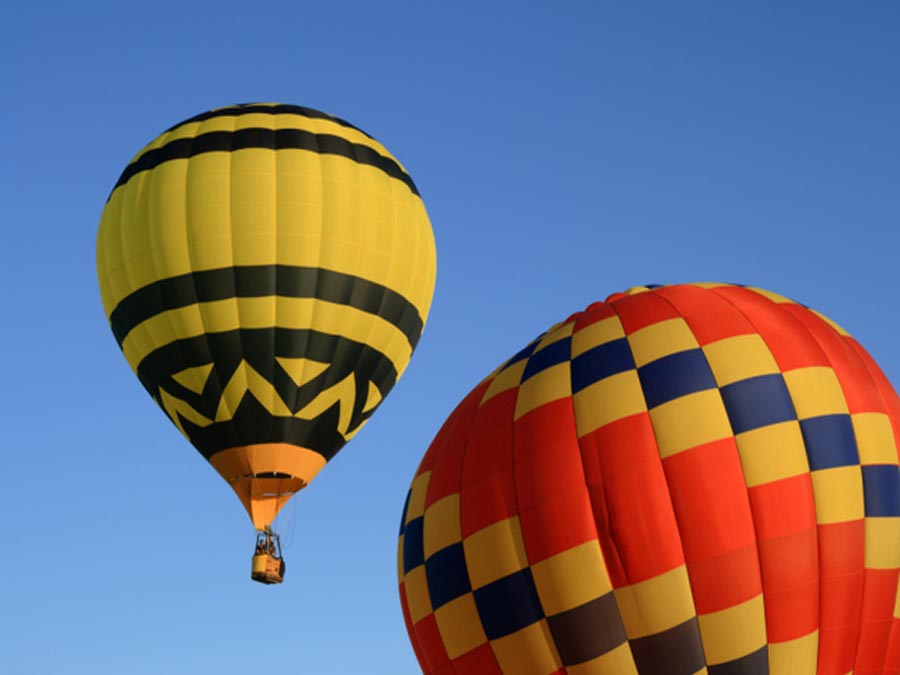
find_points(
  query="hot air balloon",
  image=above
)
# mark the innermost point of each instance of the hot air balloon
(267, 271)
(697, 478)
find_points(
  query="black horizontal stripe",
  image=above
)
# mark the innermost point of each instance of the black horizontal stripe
(270, 109)
(271, 139)
(263, 281)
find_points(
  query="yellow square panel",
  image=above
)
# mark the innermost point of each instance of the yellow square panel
(875, 438)
(529, 650)
(607, 400)
(548, 385)
(460, 626)
(571, 578)
(815, 391)
(774, 297)
(689, 421)
(831, 323)
(442, 524)
(839, 494)
(883, 543)
(734, 632)
(556, 333)
(417, 596)
(494, 552)
(798, 656)
(739, 358)
(661, 339)
(615, 662)
(596, 334)
(419, 487)
(657, 604)
(773, 452)
(505, 380)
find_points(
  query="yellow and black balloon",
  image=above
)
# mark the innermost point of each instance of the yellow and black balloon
(267, 270)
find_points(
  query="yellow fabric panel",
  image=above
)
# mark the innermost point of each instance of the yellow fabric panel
(460, 625)
(661, 339)
(301, 370)
(795, 657)
(218, 209)
(571, 578)
(560, 331)
(772, 452)
(596, 334)
(418, 490)
(264, 312)
(373, 397)
(194, 378)
(494, 552)
(815, 391)
(676, 426)
(618, 661)
(733, 632)
(529, 650)
(657, 604)
(839, 494)
(897, 604)
(245, 379)
(607, 400)
(739, 358)
(343, 392)
(709, 284)
(417, 596)
(442, 524)
(875, 438)
(837, 327)
(548, 385)
(883, 543)
(174, 407)
(774, 297)
(505, 380)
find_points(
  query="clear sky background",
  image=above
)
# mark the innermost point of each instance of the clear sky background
(564, 150)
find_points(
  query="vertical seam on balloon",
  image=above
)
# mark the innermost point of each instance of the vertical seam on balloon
(866, 577)
(359, 400)
(587, 490)
(756, 540)
(886, 409)
(151, 179)
(798, 324)
(547, 641)
(665, 474)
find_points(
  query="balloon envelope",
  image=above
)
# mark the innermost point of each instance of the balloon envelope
(267, 271)
(683, 479)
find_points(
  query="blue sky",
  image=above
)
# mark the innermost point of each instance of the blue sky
(564, 151)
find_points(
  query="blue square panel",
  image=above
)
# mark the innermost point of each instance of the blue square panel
(508, 604)
(829, 441)
(758, 402)
(413, 544)
(552, 354)
(881, 484)
(447, 575)
(601, 361)
(674, 376)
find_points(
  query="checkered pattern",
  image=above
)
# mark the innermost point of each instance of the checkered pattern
(683, 479)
